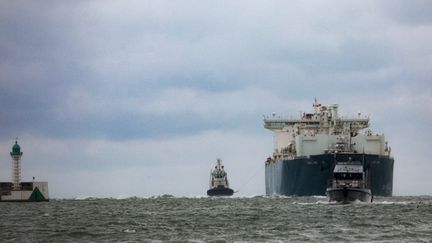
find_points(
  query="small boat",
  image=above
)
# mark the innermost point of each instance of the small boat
(219, 181)
(349, 183)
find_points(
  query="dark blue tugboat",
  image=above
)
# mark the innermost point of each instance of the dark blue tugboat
(349, 183)
(219, 181)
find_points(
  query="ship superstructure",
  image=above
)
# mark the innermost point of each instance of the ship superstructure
(306, 148)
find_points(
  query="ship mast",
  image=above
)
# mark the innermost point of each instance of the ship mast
(316, 105)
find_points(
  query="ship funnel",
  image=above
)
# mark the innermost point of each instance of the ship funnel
(334, 111)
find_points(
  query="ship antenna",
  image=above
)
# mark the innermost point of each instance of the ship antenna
(316, 105)
(219, 160)
(350, 134)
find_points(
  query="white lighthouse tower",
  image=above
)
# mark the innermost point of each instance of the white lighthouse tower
(16, 166)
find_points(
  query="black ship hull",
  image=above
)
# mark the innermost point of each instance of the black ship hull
(347, 195)
(309, 175)
(220, 191)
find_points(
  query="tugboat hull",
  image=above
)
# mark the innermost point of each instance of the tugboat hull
(220, 191)
(347, 195)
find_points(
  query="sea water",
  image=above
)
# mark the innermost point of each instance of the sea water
(236, 219)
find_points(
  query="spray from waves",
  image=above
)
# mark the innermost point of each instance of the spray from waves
(280, 196)
(249, 196)
(168, 196)
(394, 203)
(314, 203)
(294, 200)
(81, 197)
(129, 231)
(119, 197)
(164, 196)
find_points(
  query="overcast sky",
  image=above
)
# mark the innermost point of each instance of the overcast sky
(139, 98)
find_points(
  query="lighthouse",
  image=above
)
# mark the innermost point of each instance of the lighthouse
(22, 191)
(16, 155)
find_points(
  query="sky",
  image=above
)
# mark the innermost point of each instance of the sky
(139, 98)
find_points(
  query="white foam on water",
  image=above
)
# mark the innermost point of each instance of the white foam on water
(120, 197)
(279, 196)
(82, 197)
(249, 196)
(395, 203)
(312, 203)
(195, 241)
(325, 202)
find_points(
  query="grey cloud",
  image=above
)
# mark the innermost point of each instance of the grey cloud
(122, 71)
(351, 56)
(416, 12)
(121, 50)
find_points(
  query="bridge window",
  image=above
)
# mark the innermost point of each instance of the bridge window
(348, 176)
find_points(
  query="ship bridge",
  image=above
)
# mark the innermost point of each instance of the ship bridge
(338, 125)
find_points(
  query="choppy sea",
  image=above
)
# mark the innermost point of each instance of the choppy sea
(203, 219)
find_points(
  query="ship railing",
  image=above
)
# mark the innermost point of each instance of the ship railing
(288, 156)
(346, 183)
(283, 155)
(278, 156)
(5, 193)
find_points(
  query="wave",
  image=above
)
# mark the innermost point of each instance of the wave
(314, 203)
(166, 196)
(78, 198)
(394, 202)
(129, 231)
(302, 200)
(249, 196)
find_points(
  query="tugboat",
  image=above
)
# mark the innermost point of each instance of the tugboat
(219, 181)
(349, 183)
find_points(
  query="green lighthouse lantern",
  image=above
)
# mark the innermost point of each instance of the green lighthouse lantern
(16, 150)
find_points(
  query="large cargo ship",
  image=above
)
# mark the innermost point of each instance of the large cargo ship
(307, 148)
